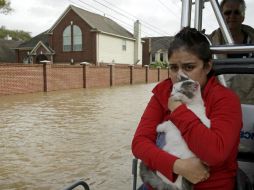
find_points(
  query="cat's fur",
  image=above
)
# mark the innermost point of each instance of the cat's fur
(188, 92)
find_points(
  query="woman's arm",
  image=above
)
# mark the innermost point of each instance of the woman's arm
(144, 141)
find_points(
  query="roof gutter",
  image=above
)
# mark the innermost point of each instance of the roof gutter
(111, 34)
(24, 48)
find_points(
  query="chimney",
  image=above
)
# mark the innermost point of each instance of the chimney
(138, 43)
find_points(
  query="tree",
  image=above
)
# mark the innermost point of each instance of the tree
(15, 34)
(5, 7)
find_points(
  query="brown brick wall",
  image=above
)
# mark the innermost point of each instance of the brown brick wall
(163, 74)
(64, 77)
(98, 77)
(122, 75)
(15, 79)
(20, 78)
(153, 75)
(139, 75)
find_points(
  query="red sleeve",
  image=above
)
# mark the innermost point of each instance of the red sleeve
(216, 144)
(143, 144)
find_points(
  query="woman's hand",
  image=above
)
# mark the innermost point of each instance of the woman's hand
(192, 169)
(173, 104)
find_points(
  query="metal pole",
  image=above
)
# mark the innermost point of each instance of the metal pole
(134, 172)
(224, 28)
(186, 13)
(198, 14)
(232, 49)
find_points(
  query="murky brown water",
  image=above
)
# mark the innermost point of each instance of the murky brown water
(50, 140)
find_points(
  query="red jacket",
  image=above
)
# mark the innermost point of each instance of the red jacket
(217, 146)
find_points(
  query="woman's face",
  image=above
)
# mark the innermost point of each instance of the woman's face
(183, 63)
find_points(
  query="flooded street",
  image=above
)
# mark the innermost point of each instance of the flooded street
(50, 140)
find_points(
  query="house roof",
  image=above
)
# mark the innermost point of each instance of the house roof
(97, 22)
(49, 51)
(43, 37)
(160, 43)
(7, 52)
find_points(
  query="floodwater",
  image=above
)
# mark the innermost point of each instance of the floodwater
(50, 140)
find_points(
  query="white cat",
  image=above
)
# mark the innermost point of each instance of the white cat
(188, 92)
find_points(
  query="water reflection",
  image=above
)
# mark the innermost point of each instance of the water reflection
(49, 140)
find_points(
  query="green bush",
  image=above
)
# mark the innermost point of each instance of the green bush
(15, 34)
(160, 64)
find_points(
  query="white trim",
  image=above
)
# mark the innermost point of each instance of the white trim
(111, 34)
(38, 45)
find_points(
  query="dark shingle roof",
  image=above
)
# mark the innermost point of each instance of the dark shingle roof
(160, 43)
(32, 42)
(7, 52)
(102, 23)
(97, 22)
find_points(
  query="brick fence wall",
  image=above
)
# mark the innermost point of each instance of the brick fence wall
(20, 78)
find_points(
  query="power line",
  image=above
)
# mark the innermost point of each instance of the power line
(156, 31)
(127, 25)
(170, 10)
(151, 28)
(146, 24)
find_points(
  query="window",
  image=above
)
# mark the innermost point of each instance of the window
(161, 57)
(67, 39)
(124, 45)
(153, 57)
(72, 38)
(77, 38)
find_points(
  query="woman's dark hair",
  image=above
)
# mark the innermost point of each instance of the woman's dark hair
(193, 41)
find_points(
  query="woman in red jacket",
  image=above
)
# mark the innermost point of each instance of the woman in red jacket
(216, 148)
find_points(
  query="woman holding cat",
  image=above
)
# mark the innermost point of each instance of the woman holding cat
(217, 147)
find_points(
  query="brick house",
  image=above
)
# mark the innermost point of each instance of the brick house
(155, 49)
(78, 36)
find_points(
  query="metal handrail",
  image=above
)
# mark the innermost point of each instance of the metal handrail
(233, 66)
(78, 183)
(232, 49)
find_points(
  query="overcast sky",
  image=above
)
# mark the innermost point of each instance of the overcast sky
(157, 17)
